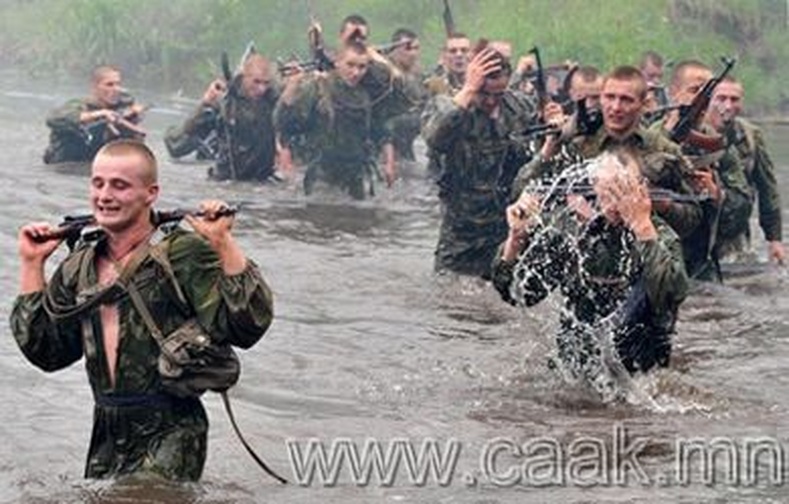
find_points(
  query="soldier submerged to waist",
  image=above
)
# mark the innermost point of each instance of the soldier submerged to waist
(620, 264)
(139, 426)
(80, 127)
(238, 118)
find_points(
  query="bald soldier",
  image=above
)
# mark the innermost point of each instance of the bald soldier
(84, 310)
(239, 115)
(80, 127)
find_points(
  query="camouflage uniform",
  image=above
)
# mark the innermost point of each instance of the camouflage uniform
(338, 131)
(404, 127)
(72, 141)
(244, 129)
(663, 167)
(137, 426)
(601, 269)
(480, 162)
(749, 143)
(723, 222)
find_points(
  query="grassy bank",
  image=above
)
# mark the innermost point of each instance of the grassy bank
(172, 44)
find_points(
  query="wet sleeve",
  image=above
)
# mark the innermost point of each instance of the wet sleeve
(445, 125)
(46, 344)
(683, 216)
(184, 139)
(767, 190)
(238, 308)
(736, 206)
(664, 269)
(66, 117)
(296, 119)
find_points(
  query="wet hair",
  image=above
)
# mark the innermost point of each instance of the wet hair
(101, 71)
(127, 147)
(678, 72)
(651, 57)
(629, 73)
(403, 34)
(506, 66)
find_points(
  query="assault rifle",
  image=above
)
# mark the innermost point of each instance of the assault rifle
(74, 228)
(588, 191)
(691, 114)
(121, 119)
(449, 20)
(539, 81)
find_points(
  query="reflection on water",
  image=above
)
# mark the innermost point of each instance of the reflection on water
(367, 342)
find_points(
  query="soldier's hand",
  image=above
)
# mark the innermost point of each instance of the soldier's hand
(481, 65)
(523, 214)
(630, 198)
(135, 111)
(212, 225)
(703, 182)
(776, 252)
(214, 92)
(34, 243)
(526, 63)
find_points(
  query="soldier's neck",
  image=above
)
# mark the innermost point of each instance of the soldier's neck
(121, 244)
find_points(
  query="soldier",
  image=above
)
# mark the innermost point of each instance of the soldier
(473, 131)
(405, 127)
(448, 78)
(333, 113)
(81, 127)
(240, 116)
(584, 83)
(651, 66)
(84, 310)
(619, 270)
(622, 101)
(747, 139)
(726, 212)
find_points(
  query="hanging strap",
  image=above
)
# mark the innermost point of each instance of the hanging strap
(142, 309)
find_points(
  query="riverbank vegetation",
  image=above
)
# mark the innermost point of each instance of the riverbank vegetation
(175, 44)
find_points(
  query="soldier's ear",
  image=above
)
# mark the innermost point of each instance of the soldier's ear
(153, 194)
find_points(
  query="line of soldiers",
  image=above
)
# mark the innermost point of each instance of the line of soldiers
(496, 134)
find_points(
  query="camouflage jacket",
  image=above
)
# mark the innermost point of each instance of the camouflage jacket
(245, 136)
(480, 161)
(137, 426)
(72, 141)
(334, 124)
(749, 143)
(600, 268)
(664, 167)
(723, 222)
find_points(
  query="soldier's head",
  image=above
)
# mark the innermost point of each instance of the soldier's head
(354, 28)
(622, 100)
(455, 54)
(123, 185)
(255, 76)
(406, 56)
(105, 85)
(616, 172)
(585, 83)
(687, 78)
(352, 63)
(488, 99)
(504, 47)
(726, 102)
(651, 66)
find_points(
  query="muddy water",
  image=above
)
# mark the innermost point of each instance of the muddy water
(368, 343)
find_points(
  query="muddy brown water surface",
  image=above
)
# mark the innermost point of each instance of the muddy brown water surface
(368, 344)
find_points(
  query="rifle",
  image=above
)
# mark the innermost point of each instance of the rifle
(449, 20)
(75, 227)
(322, 61)
(539, 81)
(690, 115)
(588, 191)
(587, 122)
(121, 119)
(226, 115)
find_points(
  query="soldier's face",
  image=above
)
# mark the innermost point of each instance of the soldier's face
(653, 73)
(456, 54)
(107, 89)
(489, 98)
(352, 66)
(407, 56)
(586, 90)
(121, 195)
(255, 82)
(693, 79)
(622, 104)
(726, 103)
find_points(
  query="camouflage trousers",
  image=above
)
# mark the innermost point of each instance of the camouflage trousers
(156, 434)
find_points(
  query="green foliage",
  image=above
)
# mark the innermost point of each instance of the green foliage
(176, 43)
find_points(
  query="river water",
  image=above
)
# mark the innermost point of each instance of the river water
(368, 344)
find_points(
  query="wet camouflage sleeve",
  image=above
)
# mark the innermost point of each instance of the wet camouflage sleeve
(445, 124)
(298, 118)
(736, 206)
(664, 268)
(763, 177)
(66, 116)
(184, 139)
